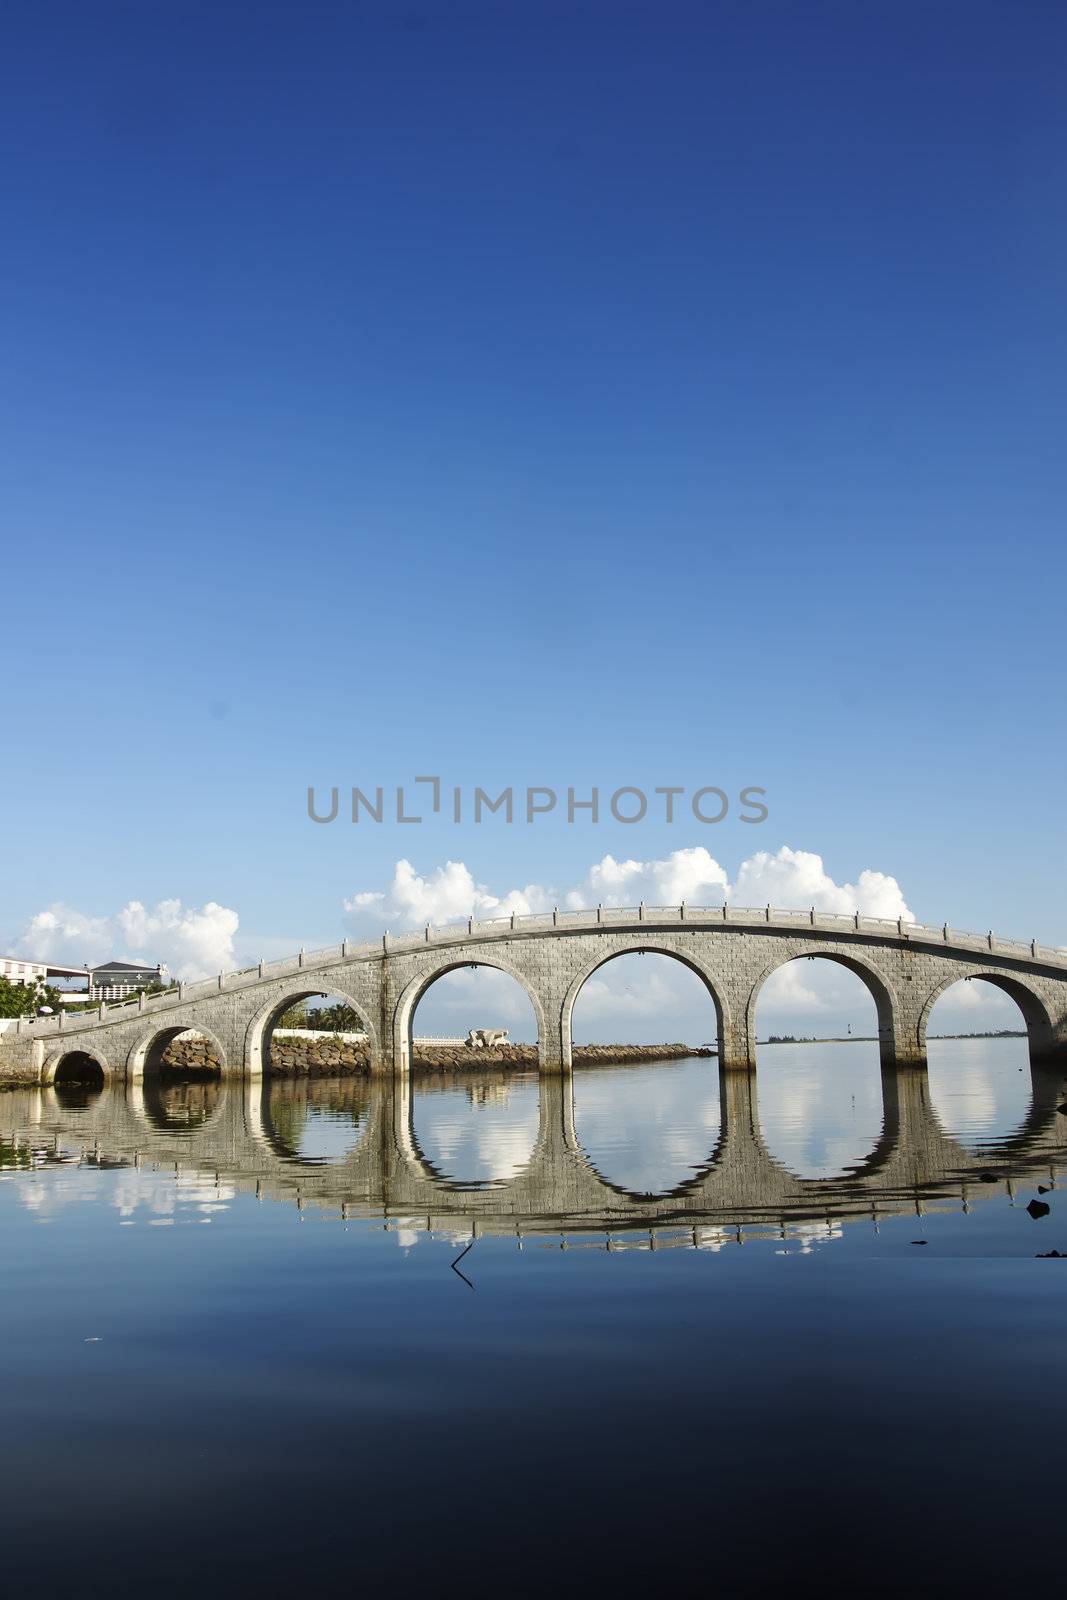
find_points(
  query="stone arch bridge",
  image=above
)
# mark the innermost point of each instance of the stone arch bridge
(905, 966)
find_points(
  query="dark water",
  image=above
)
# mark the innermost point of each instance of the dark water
(695, 1340)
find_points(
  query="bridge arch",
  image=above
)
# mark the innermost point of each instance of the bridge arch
(632, 948)
(147, 1049)
(66, 1066)
(881, 993)
(1039, 1026)
(301, 987)
(403, 1016)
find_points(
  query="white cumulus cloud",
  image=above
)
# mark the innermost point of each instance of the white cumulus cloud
(691, 875)
(794, 879)
(193, 942)
(791, 879)
(446, 894)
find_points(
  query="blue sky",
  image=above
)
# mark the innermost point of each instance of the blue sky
(565, 394)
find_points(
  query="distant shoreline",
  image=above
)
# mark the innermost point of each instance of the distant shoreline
(871, 1038)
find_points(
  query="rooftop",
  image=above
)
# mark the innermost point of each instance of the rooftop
(127, 966)
(52, 968)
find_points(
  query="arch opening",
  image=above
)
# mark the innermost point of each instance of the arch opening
(979, 1033)
(180, 1070)
(175, 1053)
(472, 1048)
(78, 1079)
(820, 1023)
(180, 1073)
(645, 1028)
(315, 1034)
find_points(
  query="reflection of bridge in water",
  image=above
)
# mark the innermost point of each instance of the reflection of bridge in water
(247, 1133)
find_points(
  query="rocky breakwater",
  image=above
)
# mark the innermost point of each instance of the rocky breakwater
(320, 1055)
(192, 1055)
(453, 1058)
(334, 1056)
(592, 1055)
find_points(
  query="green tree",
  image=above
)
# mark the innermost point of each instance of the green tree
(26, 999)
(337, 1019)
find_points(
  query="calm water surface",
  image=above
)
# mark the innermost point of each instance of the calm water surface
(702, 1330)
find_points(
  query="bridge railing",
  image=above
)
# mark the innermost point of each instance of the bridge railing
(905, 928)
(771, 917)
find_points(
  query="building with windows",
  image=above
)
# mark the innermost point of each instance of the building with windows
(117, 980)
(24, 969)
(114, 980)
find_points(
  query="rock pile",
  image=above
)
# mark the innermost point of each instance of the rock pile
(334, 1057)
(329, 1057)
(190, 1054)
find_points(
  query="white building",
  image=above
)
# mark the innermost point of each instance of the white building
(23, 969)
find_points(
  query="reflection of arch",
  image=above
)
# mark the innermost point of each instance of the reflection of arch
(587, 971)
(146, 1053)
(1034, 1011)
(282, 1143)
(67, 1066)
(687, 1185)
(884, 1149)
(868, 976)
(258, 1032)
(179, 1105)
(446, 1180)
(408, 1003)
(420, 1166)
(1047, 1091)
